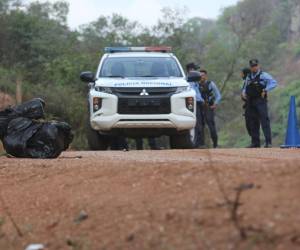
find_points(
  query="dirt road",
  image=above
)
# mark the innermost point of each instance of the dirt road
(197, 199)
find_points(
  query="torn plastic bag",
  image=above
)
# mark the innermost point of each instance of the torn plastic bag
(34, 139)
(33, 109)
(49, 141)
(19, 132)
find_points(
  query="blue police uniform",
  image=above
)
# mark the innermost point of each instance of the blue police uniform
(257, 109)
(207, 95)
(266, 80)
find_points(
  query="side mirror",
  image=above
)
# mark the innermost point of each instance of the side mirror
(193, 78)
(87, 76)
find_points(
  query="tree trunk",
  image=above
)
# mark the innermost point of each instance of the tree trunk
(19, 93)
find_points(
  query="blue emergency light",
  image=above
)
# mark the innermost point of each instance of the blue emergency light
(137, 49)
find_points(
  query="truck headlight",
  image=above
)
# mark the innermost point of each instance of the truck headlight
(97, 104)
(107, 90)
(189, 102)
(182, 89)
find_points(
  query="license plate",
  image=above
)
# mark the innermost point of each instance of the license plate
(144, 102)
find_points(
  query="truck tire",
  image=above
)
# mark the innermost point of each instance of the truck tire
(184, 140)
(97, 141)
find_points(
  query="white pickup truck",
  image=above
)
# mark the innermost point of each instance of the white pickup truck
(140, 92)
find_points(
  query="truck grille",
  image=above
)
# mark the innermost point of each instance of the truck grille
(151, 91)
(144, 105)
(157, 100)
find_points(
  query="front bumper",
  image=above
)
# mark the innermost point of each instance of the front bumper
(108, 118)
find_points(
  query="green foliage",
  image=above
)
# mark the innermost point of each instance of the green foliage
(296, 50)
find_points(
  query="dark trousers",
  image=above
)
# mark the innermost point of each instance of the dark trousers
(205, 115)
(257, 110)
(250, 121)
(151, 141)
(119, 143)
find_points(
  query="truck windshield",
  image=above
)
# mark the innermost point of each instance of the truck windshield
(140, 67)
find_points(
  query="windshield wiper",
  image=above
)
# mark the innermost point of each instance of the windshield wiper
(116, 76)
(155, 76)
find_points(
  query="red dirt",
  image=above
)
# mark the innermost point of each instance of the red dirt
(152, 200)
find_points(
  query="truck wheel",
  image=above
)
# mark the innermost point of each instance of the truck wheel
(97, 141)
(184, 140)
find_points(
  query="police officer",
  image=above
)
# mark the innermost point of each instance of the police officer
(194, 78)
(255, 91)
(211, 98)
(244, 74)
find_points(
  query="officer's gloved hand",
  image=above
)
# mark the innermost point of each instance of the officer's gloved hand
(244, 96)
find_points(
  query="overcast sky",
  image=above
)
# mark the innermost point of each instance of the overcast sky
(146, 12)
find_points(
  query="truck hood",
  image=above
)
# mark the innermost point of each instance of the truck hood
(141, 82)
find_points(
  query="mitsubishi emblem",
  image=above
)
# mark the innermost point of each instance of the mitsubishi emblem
(144, 92)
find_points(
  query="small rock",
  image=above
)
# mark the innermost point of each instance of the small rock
(295, 239)
(52, 225)
(129, 216)
(170, 214)
(71, 243)
(81, 217)
(179, 184)
(130, 237)
(270, 224)
(198, 221)
(35, 247)
(161, 229)
(278, 216)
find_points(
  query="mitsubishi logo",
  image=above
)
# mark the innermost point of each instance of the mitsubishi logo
(144, 92)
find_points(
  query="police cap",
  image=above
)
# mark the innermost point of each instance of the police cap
(192, 66)
(253, 62)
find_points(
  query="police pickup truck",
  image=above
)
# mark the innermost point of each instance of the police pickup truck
(140, 92)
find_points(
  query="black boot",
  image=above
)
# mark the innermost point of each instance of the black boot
(268, 145)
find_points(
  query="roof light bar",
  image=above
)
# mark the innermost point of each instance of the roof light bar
(138, 49)
(159, 49)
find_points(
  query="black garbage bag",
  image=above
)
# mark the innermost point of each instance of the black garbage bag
(19, 132)
(33, 109)
(25, 136)
(4, 120)
(50, 140)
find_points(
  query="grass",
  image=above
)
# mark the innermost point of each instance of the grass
(1, 149)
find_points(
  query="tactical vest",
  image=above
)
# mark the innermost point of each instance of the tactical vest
(207, 93)
(254, 87)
